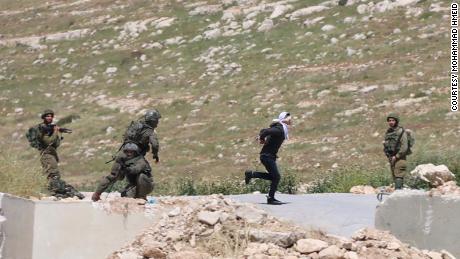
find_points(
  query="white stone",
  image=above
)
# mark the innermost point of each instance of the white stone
(350, 51)
(307, 11)
(369, 89)
(280, 10)
(351, 255)
(175, 212)
(111, 70)
(206, 10)
(309, 245)
(332, 252)
(328, 27)
(212, 34)
(165, 23)
(209, 217)
(435, 175)
(109, 130)
(362, 9)
(266, 25)
(250, 214)
(248, 24)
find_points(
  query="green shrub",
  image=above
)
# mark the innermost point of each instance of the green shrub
(227, 186)
(344, 179)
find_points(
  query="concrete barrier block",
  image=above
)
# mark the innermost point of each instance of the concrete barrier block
(54, 230)
(421, 220)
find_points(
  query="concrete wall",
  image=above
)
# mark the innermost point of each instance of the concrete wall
(56, 230)
(18, 227)
(423, 221)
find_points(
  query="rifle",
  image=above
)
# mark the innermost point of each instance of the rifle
(48, 129)
(115, 155)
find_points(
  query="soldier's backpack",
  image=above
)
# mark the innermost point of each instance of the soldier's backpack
(133, 133)
(32, 136)
(410, 140)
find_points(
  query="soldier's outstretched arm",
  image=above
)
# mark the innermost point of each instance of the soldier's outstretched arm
(153, 139)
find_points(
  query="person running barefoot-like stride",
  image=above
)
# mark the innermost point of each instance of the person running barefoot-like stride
(271, 138)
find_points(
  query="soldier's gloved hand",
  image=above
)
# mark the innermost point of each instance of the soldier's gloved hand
(156, 158)
(96, 196)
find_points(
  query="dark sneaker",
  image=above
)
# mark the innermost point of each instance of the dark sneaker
(273, 201)
(247, 176)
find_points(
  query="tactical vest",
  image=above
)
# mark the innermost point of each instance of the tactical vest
(391, 144)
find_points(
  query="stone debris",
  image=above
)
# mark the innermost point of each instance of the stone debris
(434, 175)
(363, 189)
(449, 188)
(218, 227)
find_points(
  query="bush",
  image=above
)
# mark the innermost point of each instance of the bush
(342, 180)
(227, 186)
(19, 177)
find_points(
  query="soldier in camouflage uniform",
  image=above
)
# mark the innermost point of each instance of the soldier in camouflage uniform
(135, 168)
(396, 148)
(49, 140)
(144, 139)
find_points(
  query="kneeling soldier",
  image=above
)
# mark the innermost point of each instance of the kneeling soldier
(132, 165)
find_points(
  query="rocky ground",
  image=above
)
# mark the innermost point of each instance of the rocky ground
(217, 227)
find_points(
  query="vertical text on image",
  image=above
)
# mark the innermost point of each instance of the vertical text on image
(454, 57)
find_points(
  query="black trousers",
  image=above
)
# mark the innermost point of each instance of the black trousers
(272, 173)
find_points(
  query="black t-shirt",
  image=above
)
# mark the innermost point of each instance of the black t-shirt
(274, 137)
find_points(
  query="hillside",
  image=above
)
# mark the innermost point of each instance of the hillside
(219, 71)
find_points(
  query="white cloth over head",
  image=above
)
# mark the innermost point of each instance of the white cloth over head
(281, 119)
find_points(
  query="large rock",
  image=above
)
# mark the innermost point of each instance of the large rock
(281, 239)
(435, 175)
(309, 245)
(332, 252)
(250, 214)
(209, 217)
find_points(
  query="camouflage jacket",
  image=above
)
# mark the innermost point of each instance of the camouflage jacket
(391, 147)
(49, 140)
(148, 136)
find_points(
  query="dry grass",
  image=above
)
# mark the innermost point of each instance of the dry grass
(19, 177)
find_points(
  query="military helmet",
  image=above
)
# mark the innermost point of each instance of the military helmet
(152, 115)
(46, 112)
(394, 116)
(131, 147)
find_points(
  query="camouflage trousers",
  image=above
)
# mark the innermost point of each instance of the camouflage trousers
(137, 187)
(398, 169)
(56, 186)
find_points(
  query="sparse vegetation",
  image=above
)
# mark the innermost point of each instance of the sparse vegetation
(210, 115)
(19, 177)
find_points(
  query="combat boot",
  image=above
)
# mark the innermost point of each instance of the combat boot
(399, 183)
(247, 176)
(273, 201)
